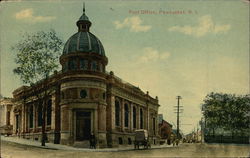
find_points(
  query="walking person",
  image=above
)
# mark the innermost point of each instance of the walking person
(92, 141)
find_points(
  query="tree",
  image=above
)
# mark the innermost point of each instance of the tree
(36, 57)
(227, 111)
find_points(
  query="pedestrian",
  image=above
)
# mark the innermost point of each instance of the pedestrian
(173, 142)
(92, 141)
(177, 142)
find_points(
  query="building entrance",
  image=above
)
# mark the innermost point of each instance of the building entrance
(83, 125)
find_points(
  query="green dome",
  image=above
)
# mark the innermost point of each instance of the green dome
(83, 42)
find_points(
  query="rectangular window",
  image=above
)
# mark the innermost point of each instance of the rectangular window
(31, 117)
(134, 117)
(94, 66)
(117, 113)
(126, 113)
(83, 64)
(154, 125)
(8, 118)
(17, 123)
(40, 115)
(141, 118)
(72, 64)
(49, 110)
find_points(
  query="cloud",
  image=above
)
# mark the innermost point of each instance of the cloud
(151, 54)
(134, 23)
(206, 25)
(27, 14)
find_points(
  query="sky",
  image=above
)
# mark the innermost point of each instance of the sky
(185, 48)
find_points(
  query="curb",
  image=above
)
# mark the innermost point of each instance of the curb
(86, 149)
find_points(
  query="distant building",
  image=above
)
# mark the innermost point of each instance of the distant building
(5, 116)
(165, 131)
(82, 99)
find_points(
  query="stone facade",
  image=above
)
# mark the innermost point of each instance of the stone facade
(82, 99)
(5, 116)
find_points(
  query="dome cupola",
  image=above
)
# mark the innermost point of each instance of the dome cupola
(83, 23)
(83, 50)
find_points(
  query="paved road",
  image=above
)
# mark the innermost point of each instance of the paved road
(11, 150)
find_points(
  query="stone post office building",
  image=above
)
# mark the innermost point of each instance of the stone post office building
(83, 99)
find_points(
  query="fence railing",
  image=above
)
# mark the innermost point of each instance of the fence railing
(227, 139)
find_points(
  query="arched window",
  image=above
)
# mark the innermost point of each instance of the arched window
(154, 129)
(126, 114)
(49, 111)
(83, 64)
(31, 116)
(117, 113)
(94, 66)
(134, 117)
(40, 115)
(141, 118)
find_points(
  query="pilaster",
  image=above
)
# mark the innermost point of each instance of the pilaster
(53, 111)
(131, 117)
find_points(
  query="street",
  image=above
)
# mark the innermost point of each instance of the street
(12, 150)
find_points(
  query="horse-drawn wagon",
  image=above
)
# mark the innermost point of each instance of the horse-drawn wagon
(141, 138)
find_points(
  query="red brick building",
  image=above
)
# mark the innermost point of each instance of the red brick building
(165, 130)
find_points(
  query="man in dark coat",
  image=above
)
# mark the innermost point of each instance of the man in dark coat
(92, 141)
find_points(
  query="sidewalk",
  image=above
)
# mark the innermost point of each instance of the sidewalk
(52, 146)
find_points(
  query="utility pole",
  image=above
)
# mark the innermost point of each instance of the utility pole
(178, 114)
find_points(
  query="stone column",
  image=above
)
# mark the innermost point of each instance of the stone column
(53, 111)
(65, 124)
(131, 117)
(147, 117)
(102, 141)
(71, 123)
(22, 119)
(112, 113)
(156, 124)
(95, 121)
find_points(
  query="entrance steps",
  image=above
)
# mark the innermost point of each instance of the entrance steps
(82, 144)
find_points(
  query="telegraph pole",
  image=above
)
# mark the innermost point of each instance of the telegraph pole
(178, 114)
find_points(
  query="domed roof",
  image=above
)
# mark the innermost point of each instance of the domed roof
(83, 42)
(84, 17)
